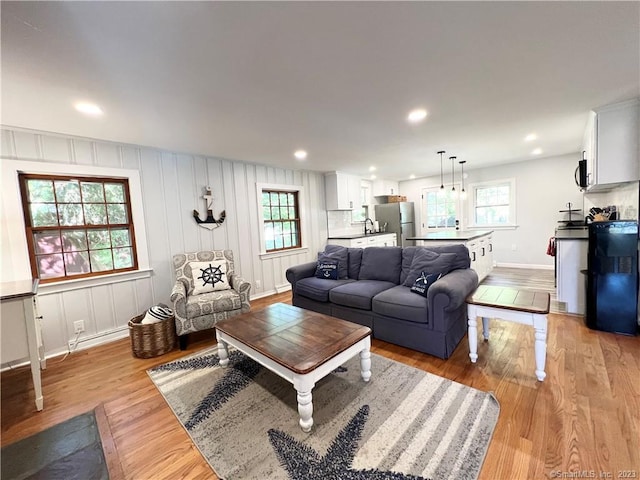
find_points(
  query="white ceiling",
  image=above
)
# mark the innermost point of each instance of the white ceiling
(255, 81)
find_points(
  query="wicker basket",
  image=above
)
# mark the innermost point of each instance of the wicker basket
(152, 339)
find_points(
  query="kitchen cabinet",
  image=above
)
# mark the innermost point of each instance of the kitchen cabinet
(571, 258)
(479, 244)
(611, 145)
(343, 191)
(377, 240)
(385, 187)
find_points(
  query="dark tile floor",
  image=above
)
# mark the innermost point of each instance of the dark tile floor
(70, 450)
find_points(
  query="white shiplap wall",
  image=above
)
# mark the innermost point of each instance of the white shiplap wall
(172, 187)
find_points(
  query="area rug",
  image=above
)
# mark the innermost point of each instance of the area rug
(403, 424)
(71, 450)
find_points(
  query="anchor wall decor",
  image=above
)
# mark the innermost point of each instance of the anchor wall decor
(210, 222)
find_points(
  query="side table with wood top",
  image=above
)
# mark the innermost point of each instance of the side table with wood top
(528, 307)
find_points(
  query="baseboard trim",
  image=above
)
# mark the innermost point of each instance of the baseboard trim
(99, 338)
(525, 265)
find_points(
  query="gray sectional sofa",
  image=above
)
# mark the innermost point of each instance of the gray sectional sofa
(372, 289)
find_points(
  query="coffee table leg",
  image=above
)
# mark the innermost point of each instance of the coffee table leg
(305, 409)
(365, 364)
(485, 328)
(223, 353)
(540, 327)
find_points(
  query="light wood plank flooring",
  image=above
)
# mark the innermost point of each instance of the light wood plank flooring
(585, 416)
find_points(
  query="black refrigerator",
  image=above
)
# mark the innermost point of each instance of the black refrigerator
(612, 277)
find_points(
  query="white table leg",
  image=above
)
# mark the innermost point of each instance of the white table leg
(485, 328)
(305, 409)
(34, 349)
(540, 327)
(223, 353)
(365, 364)
(472, 334)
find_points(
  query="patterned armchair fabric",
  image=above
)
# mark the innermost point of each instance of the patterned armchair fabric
(200, 312)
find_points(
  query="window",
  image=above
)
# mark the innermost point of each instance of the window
(281, 220)
(361, 213)
(493, 203)
(77, 226)
(441, 208)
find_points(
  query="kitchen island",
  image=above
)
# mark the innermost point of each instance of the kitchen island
(478, 242)
(378, 239)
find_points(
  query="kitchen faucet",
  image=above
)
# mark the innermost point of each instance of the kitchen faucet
(368, 230)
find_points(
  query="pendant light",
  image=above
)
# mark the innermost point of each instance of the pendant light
(453, 178)
(463, 194)
(441, 174)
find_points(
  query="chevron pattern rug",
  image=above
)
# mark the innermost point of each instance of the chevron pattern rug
(403, 424)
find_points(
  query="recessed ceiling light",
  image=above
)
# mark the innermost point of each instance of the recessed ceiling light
(89, 108)
(373, 177)
(531, 137)
(412, 176)
(372, 168)
(417, 115)
(537, 151)
(300, 154)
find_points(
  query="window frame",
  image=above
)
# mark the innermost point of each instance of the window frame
(31, 231)
(424, 208)
(472, 205)
(17, 265)
(299, 190)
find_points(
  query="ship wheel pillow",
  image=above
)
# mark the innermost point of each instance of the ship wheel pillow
(209, 277)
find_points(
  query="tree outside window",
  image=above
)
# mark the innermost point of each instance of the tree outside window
(77, 226)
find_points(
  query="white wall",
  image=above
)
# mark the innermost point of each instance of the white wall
(172, 187)
(543, 187)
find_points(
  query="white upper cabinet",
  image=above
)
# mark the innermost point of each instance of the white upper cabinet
(611, 145)
(385, 187)
(343, 191)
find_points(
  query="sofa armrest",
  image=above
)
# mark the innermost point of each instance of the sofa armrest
(448, 295)
(298, 272)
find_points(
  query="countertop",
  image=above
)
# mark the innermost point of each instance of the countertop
(460, 235)
(353, 236)
(572, 234)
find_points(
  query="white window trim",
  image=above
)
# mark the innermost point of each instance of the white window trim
(471, 204)
(303, 228)
(18, 267)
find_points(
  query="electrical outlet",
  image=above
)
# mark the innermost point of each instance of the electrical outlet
(78, 326)
(514, 247)
(258, 284)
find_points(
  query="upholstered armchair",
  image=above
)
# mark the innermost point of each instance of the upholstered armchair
(207, 290)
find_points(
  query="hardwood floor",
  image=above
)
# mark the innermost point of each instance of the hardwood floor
(585, 416)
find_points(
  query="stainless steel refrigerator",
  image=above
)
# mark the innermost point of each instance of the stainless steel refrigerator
(399, 219)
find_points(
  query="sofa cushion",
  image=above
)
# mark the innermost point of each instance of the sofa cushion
(399, 302)
(381, 263)
(336, 253)
(355, 260)
(327, 269)
(462, 259)
(429, 261)
(317, 288)
(424, 281)
(358, 294)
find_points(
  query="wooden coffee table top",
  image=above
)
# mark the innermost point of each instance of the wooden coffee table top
(298, 339)
(511, 299)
